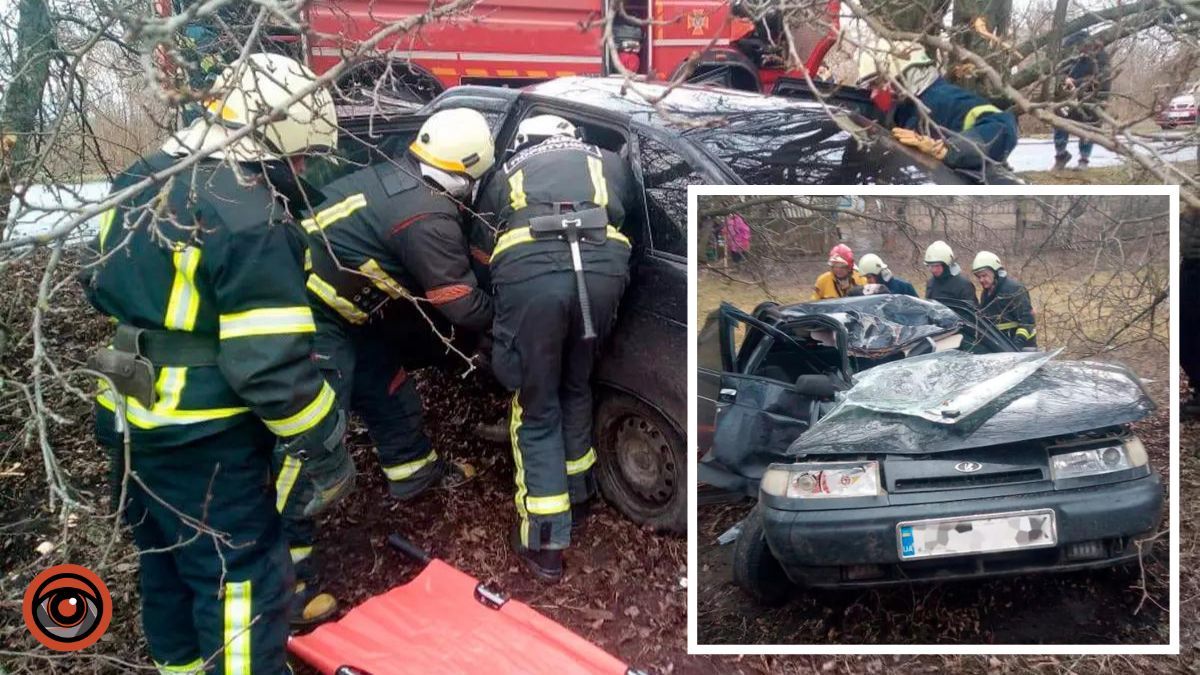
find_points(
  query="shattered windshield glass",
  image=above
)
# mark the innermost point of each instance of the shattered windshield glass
(1060, 397)
(882, 323)
(945, 387)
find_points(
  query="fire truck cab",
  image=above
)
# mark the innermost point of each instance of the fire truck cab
(520, 42)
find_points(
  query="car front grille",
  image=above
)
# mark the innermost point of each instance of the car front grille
(967, 480)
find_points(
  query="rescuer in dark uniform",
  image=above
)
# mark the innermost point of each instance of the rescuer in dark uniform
(1005, 302)
(388, 256)
(202, 274)
(945, 121)
(559, 266)
(946, 280)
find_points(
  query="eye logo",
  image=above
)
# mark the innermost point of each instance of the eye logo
(67, 608)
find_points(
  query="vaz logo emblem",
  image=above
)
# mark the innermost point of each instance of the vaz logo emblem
(968, 467)
(697, 22)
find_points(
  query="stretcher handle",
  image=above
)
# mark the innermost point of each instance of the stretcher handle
(403, 545)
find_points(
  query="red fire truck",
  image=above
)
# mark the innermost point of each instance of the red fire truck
(520, 42)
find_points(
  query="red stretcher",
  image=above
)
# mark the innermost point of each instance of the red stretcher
(447, 622)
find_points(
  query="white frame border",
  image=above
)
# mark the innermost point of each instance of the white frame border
(1170, 191)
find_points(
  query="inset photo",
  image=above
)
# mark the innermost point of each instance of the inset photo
(934, 420)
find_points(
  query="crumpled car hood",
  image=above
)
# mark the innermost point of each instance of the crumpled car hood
(881, 323)
(1058, 398)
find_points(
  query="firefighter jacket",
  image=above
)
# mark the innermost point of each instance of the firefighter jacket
(211, 253)
(539, 180)
(971, 127)
(385, 234)
(1007, 306)
(898, 286)
(951, 287)
(827, 287)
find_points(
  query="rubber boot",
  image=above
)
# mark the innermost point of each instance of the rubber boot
(311, 607)
(546, 565)
(446, 475)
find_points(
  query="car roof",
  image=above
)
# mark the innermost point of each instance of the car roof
(682, 107)
(878, 323)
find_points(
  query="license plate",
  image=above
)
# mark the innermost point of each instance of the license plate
(967, 535)
(1182, 113)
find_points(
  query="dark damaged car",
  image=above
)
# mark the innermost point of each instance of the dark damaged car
(891, 439)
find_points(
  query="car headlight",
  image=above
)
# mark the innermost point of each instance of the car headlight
(1094, 461)
(823, 480)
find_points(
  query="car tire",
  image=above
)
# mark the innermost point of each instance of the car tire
(642, 462)
(755, 569)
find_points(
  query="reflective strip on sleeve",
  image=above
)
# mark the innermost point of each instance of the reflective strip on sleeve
(106, 221)
(196, 666)
(1026, 333)
(184, 301)
(516, 190)
(308, 417)
(237, 628)
(307, 259)
(382, 280)
(323, 290)
(547, 506)
(974, 114)
(578, 466)
(288, 473)
(614, 233)
(596, 170)
(1007, 325)
(267, 321)
(409, 469)
(300, 553)
(446, 294)
(331, 214)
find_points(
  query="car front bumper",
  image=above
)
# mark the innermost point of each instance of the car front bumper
(857, 547)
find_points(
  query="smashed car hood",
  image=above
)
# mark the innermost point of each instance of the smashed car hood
(881, 323)
(943, 388)
(1057, 398)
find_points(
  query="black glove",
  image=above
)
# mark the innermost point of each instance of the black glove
(324, 461)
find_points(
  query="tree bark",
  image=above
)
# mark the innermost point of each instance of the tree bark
(19, 120)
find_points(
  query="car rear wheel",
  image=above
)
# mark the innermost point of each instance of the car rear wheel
(642, 466)
(755, 569)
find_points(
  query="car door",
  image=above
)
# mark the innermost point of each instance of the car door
(757, 417)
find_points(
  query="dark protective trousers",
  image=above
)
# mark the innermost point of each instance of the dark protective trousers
(539, 352)
(366, 372)
(215, 579)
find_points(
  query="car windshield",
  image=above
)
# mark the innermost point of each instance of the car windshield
(808, 145)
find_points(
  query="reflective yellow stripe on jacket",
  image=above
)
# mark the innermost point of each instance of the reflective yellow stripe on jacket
(331, 214)
(974, 113)
(326, 292)
(184, 302)
(267, 321)
(308, 417)
(165, 412)
(522, 235)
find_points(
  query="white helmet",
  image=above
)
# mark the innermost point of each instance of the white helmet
(540, 127)
(939, 252)
(871, 264)
(250, 89)
(457, 141)
(987, 260)
(892, 60)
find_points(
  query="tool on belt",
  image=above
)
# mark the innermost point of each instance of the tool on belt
(136, 352)
(590, 225)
